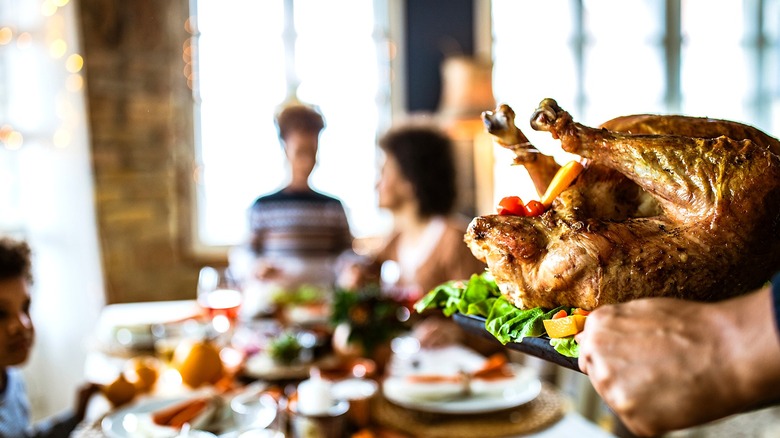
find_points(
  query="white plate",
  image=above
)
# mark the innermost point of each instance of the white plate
(515, 391)
(134, 422)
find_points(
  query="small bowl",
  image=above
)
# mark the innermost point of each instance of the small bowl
(253, 410)
(330, 424)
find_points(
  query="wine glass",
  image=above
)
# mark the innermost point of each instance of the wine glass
(219, 295)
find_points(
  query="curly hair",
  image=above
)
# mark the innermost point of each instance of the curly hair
(15, 259)
(299, 117)
(425, 155)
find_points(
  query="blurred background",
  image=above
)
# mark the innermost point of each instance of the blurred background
(135, 135)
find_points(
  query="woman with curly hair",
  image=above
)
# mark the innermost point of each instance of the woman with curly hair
(418, 185)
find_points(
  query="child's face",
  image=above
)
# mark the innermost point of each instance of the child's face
(16, 327)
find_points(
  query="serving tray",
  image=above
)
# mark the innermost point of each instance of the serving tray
(539, 347)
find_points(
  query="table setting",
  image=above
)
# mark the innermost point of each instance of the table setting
(195, 368)
(202, 358)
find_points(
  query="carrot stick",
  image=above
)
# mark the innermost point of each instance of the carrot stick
(164, 416)
(433, 378)
(495, 367)
(562, 179)
(494, 362)
(188, 413)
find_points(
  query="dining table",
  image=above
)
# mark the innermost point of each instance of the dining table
(397, 407)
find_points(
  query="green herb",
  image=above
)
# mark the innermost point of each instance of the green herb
(285, 349)
(373, 317)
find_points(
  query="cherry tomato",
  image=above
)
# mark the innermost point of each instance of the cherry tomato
(534, 208)
(560, 314)
(511, 205)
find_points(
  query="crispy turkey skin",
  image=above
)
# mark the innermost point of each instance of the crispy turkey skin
(668, 206)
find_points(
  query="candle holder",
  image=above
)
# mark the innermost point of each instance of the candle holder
(331, 423)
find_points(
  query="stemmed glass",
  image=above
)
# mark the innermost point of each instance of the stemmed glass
(219, 295)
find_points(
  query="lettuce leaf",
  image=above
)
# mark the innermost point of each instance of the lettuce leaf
(474, 297)
(510, 324)
(442, 296)
(481, 296)
(566, 346)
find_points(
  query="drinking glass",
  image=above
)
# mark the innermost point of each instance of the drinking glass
(219, 295)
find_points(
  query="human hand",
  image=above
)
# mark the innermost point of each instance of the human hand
(351, 277)
(356, 274)
(664, 364)
(434, 332)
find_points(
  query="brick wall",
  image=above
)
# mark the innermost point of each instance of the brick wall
(140, 112)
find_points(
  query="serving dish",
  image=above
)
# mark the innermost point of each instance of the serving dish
(539, 347)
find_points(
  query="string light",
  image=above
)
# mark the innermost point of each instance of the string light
(187, 49)
(57, 47)
(74, 63)
(188, 25)
(61, 138)
(14, 140)
(74, 83)
(48, 8)
(6, 35)
(24, 40)
(10, 138)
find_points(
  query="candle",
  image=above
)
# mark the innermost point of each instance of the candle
(314, 396)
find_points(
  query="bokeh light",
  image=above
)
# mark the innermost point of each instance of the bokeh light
(74, 63)
(48, 8)
(13, 140)
(24, 40)
(6, 35)
(57, 48)
(62, 138)
(74, 83)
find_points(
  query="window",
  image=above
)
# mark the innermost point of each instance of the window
(600, 59)
(251, 56)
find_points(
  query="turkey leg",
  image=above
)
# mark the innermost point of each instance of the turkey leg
(501, 124)
(693, 179)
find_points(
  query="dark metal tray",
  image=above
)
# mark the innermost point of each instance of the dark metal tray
(539, 347)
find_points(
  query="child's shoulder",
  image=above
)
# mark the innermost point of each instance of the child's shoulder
(14, 381)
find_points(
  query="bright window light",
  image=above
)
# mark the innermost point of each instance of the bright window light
(244, 75)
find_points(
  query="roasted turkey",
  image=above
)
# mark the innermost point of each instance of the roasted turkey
(667, 206)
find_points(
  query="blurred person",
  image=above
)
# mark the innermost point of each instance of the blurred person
(418, 186)
(297, 233)
(665, 364)
(17, 334)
